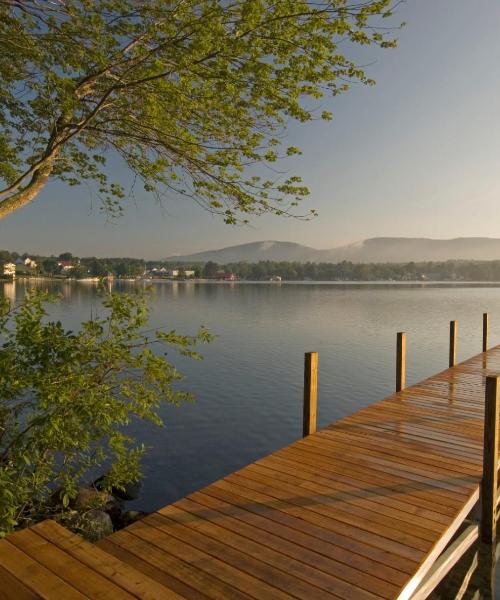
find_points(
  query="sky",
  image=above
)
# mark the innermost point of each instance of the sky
(418, 155)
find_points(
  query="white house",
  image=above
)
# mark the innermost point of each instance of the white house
(9, 269)
(30, 263)
(175, 273)
(65, 265)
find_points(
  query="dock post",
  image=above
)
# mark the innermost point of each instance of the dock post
(401, 361)
(489, 483)
(310, 392)
(486, 326)
(453, 343)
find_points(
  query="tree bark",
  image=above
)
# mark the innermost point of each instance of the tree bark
(25, 195)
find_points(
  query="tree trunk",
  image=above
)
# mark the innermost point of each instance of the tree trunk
(26, 194)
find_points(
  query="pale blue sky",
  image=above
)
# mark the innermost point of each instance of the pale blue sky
(416, 155)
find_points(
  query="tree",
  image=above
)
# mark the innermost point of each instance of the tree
(191, 95)
(97, 268)
(66, 398)
(210, 269)
(50, 265)
(79, 271)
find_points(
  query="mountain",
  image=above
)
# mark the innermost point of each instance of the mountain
(382, 249)
(278, 251)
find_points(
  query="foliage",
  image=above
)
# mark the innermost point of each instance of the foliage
(66, 399)
(190, 94)
(451, 270)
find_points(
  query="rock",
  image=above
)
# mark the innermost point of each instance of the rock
(91, 497)
(131, 516)
(96, 524)
(115, 508)
(131, 491)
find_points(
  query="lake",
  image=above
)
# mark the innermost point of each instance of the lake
(248, 389)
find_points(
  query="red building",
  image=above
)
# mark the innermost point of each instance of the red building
(225, 276)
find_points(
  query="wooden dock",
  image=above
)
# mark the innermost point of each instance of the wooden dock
(378, 505)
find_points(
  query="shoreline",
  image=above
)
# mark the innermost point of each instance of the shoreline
(350, 282)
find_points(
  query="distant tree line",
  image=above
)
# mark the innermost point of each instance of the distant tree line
(348, 271)
(80, 267)
(452, 270)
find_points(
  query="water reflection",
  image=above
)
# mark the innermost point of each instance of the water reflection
(9, 291)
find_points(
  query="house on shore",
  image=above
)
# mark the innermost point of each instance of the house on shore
(181, 273)
(30, 263)
(9, 270)
(225, 276)
(66, 266)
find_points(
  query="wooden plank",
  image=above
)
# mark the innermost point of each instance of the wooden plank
(66, 567)
(91, 556)
(449, 489)
(437, 398)
(35, 576)
(310, 393)
(383, 409)
(322, 521)
(292, 560)
(327, 519)
(344, 497)
(322, 503)
(152, 571)
(13, 589)
(270, 572)
(425, 495)
(489, 484)
(327, 533)
(355, 495)
(320, 552)
(210, 563)
(400, 361)
(452, 444)
(403, 419)
(379, 492)
(360, 461)
(428, 441)
(396, 448)
(408, 444)
(467, 577)
(446, 562)
(411, 463)
(192, 582)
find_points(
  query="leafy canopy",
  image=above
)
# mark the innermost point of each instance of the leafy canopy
(66, 399)
(192, 94)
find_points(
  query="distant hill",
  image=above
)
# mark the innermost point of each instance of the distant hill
(383, 249)
(278, 251)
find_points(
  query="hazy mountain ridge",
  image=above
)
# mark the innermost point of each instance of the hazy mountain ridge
(382, 249)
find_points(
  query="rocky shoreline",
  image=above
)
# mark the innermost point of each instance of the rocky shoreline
(95, 513)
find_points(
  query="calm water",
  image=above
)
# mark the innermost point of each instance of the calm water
(248, 389)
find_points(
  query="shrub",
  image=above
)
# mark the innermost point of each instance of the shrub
(66, 398)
